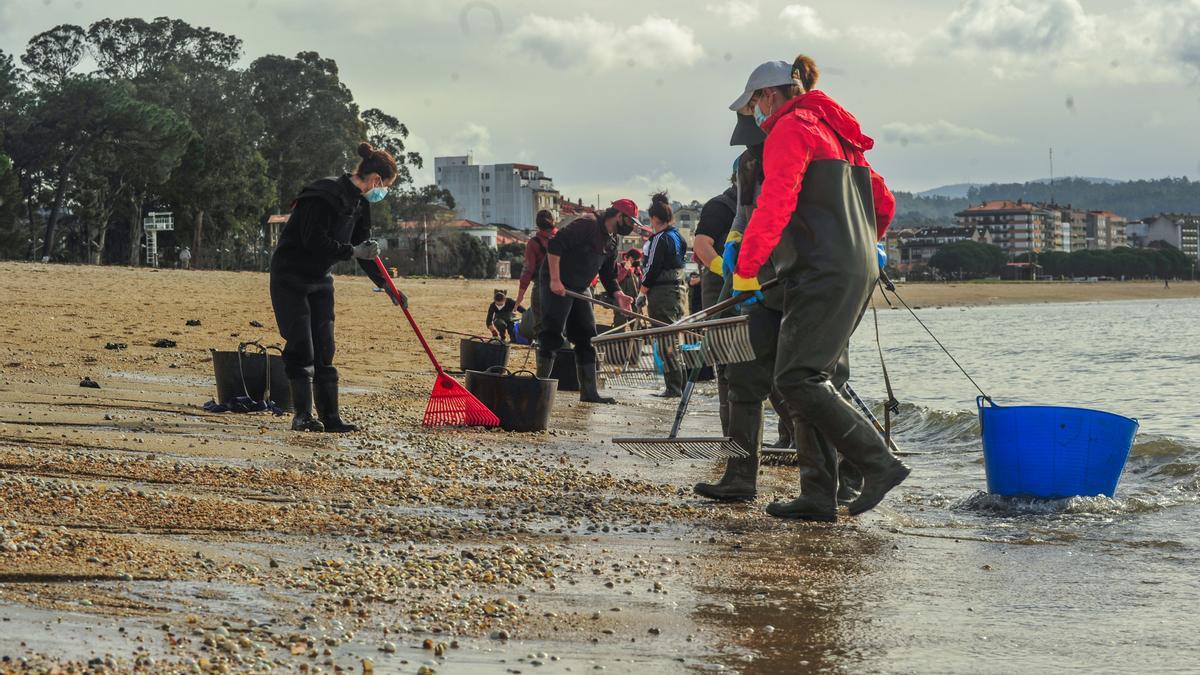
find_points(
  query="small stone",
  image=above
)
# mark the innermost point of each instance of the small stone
(388, 648)
(89, 383)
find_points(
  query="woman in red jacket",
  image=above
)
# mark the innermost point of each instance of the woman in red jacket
(820, 212)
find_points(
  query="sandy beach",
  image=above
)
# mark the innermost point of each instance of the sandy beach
(138, 531)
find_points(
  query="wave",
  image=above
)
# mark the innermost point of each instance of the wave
(982, 502)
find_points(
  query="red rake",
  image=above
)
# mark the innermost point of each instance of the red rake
(450, 404)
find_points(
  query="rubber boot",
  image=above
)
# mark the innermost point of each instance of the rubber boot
(856, 439)
(545, 366)
(784, 439)
(723, 400)
(740, 482)
(817, 460)
(674, 382)
(849, 482)
(326, 390)
(588, 389)
(302, 403)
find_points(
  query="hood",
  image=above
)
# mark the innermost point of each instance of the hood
(819, 105)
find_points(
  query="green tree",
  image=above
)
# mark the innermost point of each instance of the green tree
(470, 257)
(311, 120)
(968, 259)
(423, 203)
(141, 51)
(83, 116)
(12, 238)
(52, 56)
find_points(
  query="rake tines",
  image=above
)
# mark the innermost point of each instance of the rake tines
(682, 448)
(643, 355)
(450, 404)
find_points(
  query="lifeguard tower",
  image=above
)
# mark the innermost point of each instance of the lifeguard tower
(154, 223)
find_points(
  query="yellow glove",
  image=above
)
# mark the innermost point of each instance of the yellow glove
(733, 236)
(743, 285)
(715, 265)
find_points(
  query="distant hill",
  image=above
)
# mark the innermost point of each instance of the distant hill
(956, 191)
(1132, 199)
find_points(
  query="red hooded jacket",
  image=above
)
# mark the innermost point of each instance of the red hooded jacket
(805, 129)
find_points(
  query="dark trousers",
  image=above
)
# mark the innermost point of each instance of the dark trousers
(665, 303)
(304, 313)
(505, 328)
(565, 316)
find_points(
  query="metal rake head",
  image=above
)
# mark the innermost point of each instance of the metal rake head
(644, 355)
(682, 448)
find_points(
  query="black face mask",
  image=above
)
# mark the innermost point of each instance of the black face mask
(625, 227)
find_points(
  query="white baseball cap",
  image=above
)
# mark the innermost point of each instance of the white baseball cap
(769, 74)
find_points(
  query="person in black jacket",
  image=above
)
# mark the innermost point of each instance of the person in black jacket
(330, 222)
(500, 316)
(583, 249)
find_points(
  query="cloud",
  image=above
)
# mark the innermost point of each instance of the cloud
(737, 12)
(894, 47)
(476, 139)
(936, 133)
(802, 21)
(656, 43)
(1019, 27)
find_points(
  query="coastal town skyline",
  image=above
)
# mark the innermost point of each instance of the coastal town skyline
(953, 92)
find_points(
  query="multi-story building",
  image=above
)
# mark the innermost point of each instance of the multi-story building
(1017, 227)
(1105, 230)
(1181, 230)
(1070, 232)
(914, 248)
(505, 194)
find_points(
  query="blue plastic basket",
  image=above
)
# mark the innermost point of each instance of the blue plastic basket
(1052, 452)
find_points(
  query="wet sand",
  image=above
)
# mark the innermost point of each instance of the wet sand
(138, 531)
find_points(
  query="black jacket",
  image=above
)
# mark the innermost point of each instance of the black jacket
(329, 217)
(585, 249)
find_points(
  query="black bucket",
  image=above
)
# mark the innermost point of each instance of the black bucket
(245, 374)
(520, 399)
(564, 370)
(476, 353)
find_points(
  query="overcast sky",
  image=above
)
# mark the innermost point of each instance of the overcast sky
(619, 97)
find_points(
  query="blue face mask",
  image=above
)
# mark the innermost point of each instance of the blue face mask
(759, 117)
(376, 195)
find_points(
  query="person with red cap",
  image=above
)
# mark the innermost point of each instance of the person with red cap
(820, 211)
(585, 248)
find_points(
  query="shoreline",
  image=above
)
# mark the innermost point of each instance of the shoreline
(983, 293)
(140, 530)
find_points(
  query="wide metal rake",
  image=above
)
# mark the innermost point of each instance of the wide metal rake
(689, 447)
(695, 341)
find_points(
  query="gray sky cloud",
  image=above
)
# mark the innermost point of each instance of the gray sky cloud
(553, 83)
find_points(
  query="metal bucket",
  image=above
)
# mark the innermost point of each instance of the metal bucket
(520, 399)
(476, 353)
(246, 374)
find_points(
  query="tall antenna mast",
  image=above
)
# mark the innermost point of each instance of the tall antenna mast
(1051, 175)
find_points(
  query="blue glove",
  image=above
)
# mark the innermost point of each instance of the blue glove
(729, 258)
(745, 304)
(881, 254)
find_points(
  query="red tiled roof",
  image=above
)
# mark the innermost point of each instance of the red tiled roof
(1001, 205)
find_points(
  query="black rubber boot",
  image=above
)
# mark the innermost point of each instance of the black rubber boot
(849, 482)
(857, 440)
(302, 403)
(674, 380)
(545, 366)
(589, 392)
(327, 407)
(740, 482)
(723, 400)
(817, 460)
(784, 439)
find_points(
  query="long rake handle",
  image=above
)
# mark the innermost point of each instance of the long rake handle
(605, 305)
(866, 411)
(395, 293)
(723, 305)
(684, 399)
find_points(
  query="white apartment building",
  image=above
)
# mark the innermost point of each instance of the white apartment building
(506, 194)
